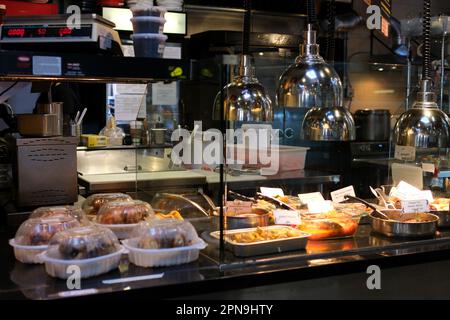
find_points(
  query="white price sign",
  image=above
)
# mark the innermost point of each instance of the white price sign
(320, 207)
(287, 217)
(306, 198)
(272, 192)
(412, 206)
(339, 195)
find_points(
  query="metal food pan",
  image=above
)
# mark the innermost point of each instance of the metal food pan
(263, 247)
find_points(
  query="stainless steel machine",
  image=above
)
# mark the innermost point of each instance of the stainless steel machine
(44, 171)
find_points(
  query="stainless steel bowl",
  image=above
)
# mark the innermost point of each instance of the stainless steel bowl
(397, 227)
(256, 218)
(444, 218)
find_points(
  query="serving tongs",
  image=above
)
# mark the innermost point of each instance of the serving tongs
(241, 197)
(382, 197)
(375, 212)
(275, 201)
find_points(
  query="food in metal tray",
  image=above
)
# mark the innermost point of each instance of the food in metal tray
(264, 234)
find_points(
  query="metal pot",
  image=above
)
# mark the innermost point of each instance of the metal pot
(398, 228)
(256, 218)
(372, 125)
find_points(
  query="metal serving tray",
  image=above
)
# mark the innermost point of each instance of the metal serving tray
(263, 247)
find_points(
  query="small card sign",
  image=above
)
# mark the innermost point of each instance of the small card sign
(238, 207)
(405, 153)
(320, 207)
(339, 195)
(272, 192)
(416, 205)
(286, 217)
(306, 198)
(428, 167)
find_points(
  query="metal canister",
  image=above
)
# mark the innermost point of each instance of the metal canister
(53, 108)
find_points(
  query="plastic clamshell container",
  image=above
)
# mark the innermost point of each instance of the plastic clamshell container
(264, 247)
(148, 24)
(158, 243)
(33, 236)
(122, 217)
(28, 254)
(163, 257)
(142, 10)
(149, 45)
(95, 250)
(70, 211)
(58, 268)
(324, 226)
(94, 202)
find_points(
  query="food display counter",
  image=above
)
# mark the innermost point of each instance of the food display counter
(208, 183)
(339, 260)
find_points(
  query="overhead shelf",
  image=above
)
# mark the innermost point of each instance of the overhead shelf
(35, 66)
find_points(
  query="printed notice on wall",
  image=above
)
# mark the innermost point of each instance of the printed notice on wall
(129, 107)
(405, 153)
(164, 93)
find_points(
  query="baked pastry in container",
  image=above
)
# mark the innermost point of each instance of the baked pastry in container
(94, 202)
(33, 236)
(122, 216)
(95, 250)
(165, 242)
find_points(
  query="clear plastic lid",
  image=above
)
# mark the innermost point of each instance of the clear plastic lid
(39, 231)
(83, 243)
(124, 212)
(162, 234)
(193, 205)
(93, 203)
(48, 212)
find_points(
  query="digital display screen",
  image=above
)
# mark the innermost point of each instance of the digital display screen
(39, 31)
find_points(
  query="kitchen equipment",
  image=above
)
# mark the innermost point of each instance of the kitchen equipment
(256, 218)
(424, 125)
(397, 225)
(45, 171)
(264, 247)
(372, 125)
(53, 108)
(244, 99)
(377, 213)
(32, 32)
(310, 82)
(38, 125)
(328, 124)
(444, 218)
